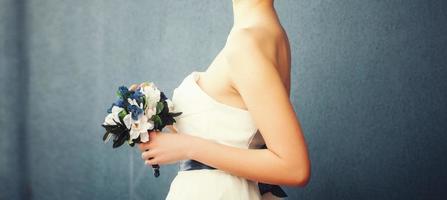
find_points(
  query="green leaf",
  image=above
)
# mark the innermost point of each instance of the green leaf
(144, 103)
(157, 120)
(120, 139)
(175, 114)
(160, 107)
(122, 114)
(111, 128)
(105, 136)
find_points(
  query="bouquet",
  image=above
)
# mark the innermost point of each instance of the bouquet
(136, 113)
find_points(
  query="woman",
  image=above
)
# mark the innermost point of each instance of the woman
(244, 90)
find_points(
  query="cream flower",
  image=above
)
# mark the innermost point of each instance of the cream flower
(152, 95)
(138, 127)
(150, 112)
(113, 116)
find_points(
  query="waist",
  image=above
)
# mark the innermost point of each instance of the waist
(186, 165)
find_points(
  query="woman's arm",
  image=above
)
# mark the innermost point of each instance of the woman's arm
(255, 164)
(257, 80)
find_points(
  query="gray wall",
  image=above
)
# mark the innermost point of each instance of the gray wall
(12, 78)
(369, 82)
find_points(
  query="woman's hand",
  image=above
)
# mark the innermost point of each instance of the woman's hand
(166, 147)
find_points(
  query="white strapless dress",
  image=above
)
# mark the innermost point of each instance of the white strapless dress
(205, 117)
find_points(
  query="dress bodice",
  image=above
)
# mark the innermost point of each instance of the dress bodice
(205, 117)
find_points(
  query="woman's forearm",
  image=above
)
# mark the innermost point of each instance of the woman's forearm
(254, 164)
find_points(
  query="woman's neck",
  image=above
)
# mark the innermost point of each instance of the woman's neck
(247, 13)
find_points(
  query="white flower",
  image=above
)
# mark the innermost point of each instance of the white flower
(170, 105)
(138, 127)
(113, 116)
(150, 112)
(152, 95)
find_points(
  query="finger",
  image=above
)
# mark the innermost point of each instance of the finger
(141, 147)
(144, 146)
(153, 161)
(148, 154)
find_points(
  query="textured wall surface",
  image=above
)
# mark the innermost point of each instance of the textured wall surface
(369, 86)
(8, 53)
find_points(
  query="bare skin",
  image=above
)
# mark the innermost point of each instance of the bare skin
(251, 72)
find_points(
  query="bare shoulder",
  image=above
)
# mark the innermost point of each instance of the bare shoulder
(255, 41)
(249, 52)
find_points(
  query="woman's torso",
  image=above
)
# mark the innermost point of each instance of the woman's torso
(221, 116)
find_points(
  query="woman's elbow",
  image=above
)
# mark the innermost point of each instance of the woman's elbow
(301, 177)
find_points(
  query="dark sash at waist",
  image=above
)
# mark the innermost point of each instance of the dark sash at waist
(185, 165)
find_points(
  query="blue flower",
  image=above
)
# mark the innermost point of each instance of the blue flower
(120, 103)
(123, 91)
(136, 95)
(135, 111)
